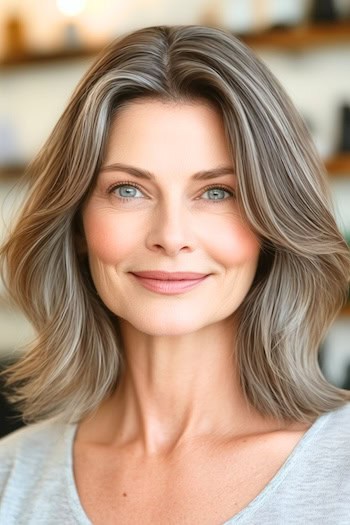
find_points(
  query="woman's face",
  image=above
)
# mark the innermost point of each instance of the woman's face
(172, 223)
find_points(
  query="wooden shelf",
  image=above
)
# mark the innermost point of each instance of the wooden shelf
(301, 37)
(339, 164)
(48, 58)
(11, 171)
(345, 312)
(287, 38)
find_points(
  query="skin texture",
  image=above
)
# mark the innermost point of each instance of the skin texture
(176, 442)
(180, 383)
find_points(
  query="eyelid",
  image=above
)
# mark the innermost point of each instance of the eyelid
(131, 183)
(222, 186)
(125, 183)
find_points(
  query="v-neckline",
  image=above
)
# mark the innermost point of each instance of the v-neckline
(276, 480)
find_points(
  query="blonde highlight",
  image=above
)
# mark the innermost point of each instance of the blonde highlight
(302, 280)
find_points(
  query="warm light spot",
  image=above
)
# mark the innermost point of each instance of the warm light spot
(71, 7)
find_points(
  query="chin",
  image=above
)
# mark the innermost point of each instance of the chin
(168, 327)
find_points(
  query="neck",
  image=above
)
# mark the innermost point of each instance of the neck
(176, 390)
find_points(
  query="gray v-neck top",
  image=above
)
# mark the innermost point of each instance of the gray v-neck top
(37, 483)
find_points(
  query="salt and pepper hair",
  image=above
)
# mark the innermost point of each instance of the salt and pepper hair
(76, 359)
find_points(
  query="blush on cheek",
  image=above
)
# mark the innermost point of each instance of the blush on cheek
(107, 239)
(237, 245)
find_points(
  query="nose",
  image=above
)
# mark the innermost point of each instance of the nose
(170, 228)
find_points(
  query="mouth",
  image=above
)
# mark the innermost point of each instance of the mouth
(169, 286)
(170, 276)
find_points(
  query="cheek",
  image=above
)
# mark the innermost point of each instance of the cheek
(108, 239)
(234, 244)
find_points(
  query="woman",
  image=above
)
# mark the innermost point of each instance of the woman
(178, 257)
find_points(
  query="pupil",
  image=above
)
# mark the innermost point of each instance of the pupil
(215, 193)
(128, 191)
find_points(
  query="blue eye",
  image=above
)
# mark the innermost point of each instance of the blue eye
(129, 192)
(216, 191)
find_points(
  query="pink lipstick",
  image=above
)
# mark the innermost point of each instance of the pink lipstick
(179, 282)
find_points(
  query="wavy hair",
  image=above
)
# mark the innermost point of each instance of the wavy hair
(76, 359)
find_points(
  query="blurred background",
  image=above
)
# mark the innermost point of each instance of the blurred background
(47, 45)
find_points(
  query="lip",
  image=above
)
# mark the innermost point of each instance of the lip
(169, 287)
(170, 276)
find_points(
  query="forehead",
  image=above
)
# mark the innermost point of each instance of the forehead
(155, 104)
(159, 133)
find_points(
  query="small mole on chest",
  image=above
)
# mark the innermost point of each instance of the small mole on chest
(124, 494)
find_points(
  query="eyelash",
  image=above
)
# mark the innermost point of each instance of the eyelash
(215, 201)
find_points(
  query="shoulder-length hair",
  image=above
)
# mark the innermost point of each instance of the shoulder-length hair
(302, 278)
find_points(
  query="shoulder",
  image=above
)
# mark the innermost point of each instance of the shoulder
(313, 486)
(331, 433)
(33, 474)
(33, 435)
(337, 425)
(325, 452)
(28, 447)
(334, 439)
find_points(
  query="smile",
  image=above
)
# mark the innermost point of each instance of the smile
(169, 287)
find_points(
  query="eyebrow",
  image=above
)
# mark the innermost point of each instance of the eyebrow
(145, 174)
